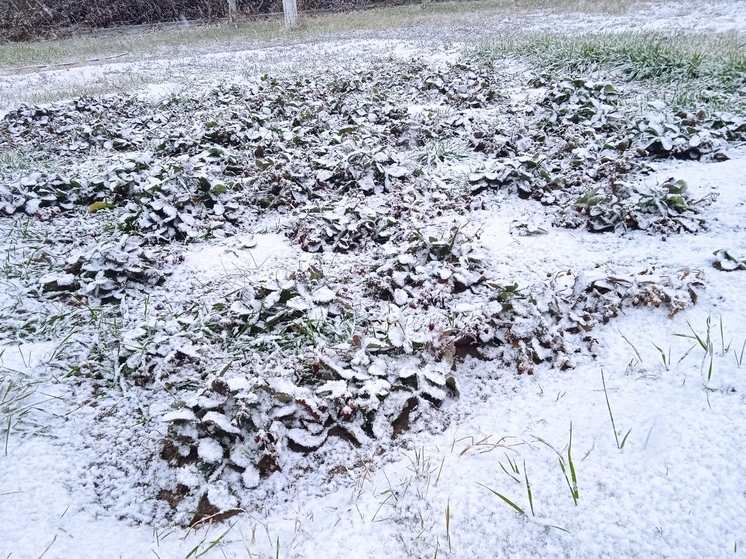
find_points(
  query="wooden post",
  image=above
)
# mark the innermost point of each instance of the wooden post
(232, 12)
(290, 9)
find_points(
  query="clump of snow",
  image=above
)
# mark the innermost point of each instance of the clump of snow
(219, 495)
(210, 451)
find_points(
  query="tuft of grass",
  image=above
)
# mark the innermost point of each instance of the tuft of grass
(686, 68)
(667, 358)
(571, 480)
(567, 466)
(436, 151)
(12, 161)
(516, 470)
(16, 392)
(95, 87)
(706, 343)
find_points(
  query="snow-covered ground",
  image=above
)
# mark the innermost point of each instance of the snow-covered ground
(190, 66)
(81, 471)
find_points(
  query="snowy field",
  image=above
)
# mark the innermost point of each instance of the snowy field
(397, 293)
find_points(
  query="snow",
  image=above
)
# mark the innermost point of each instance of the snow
(180, 415)
(323, 295)
(675, 489)
(334, 388)
(210, 451)
(220, 420)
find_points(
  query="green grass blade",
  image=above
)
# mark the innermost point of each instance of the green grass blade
(567, 479)
(574, 477)
(542, 441)
(608, 405)
(722, 335)
(663, 355)
(513, 465)
(448, 525)
(557, 527)
(624, 440)
(217, 541)
(504, 498)
(696, 337)
(686, 354)
(7, 434)
(507, 472)
(528, 489)
(194, 551)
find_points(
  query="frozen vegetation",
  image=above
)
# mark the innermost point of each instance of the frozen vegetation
(421, 298)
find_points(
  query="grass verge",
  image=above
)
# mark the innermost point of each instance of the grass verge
(251, 33)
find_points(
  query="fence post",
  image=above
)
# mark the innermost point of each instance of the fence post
(290, 9)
